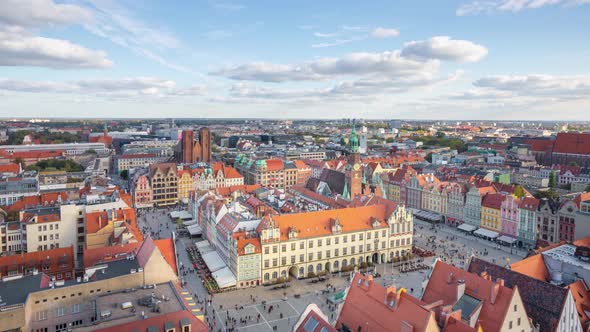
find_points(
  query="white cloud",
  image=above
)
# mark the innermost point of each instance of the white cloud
(107, 88)
(389, 64)
(19, 48)
(117, 24)
(336, 42)
(384, 32)
(445, 48)
(492, 6)
(34, 13)
(538, 85)
(325, 35)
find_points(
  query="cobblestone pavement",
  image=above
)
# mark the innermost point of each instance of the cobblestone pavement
(248, 309)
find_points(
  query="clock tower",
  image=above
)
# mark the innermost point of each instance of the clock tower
(354, 171)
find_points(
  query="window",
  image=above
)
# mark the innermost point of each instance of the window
(518, 321)
(310, 256)
(345, 238)
(361, 237)
(266, 263)
(275, 249)
(41, 315)
(328, 241)
(310, 244)
(301, 245)
(515, 308)
(301, 258)
(319, 243)
(76, 308)
(319, 255)
(353, 237)
(266, 250)
(60, 311)
(368, 235)
(293, 246)
(510, 324)
(283, 260)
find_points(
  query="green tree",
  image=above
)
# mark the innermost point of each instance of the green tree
(552, 182)
(587, 188)
(573, 163)
(124, 174)
(552, 194)
(519, 191)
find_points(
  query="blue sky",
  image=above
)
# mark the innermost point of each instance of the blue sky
(491, 59)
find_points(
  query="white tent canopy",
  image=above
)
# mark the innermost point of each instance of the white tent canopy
(224, 278)
(467, 227)
(184, 215)
(189, 222)
(194, 230)
(213, 261)
(204, 247)
(506, 239)
(486, 233)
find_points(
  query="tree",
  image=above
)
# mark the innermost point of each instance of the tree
(587, 188)
(573, 163)
(20, 161)
(519, 191)
(551, 194)
(124, 174)
(552, 182)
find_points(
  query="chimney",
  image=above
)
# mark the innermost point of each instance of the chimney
(460, 288)
(494, 292)
(500, 281)
(450, 278)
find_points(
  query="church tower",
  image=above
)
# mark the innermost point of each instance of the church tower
(354, 164)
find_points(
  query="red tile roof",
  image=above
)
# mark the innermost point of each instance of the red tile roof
(57, 258)
(533, 266)
(9, 168)
(583, 197)
(166, 247)
(495, 299)
(370, 306)
(319, 223)
(581, 296)
(572, 143)
(227, 191)
(274, 165)
(493, 201)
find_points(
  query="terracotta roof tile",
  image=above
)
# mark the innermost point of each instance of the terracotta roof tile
(382, 309)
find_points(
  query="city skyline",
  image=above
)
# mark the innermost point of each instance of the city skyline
(493, 60)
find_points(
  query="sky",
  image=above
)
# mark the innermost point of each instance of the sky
(437, 59)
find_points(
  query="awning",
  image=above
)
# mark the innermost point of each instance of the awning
(184, 215)
(466, 227)
(189, 222)
(486, 233)
(204, 247)
(506, 239)
(194, 230)
(213, 261)
(224, 278)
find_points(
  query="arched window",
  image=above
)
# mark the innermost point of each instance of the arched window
(301, 271)
(310, 268)
(319, 267)
(344, 263)
(336, 265)
(284, 273)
